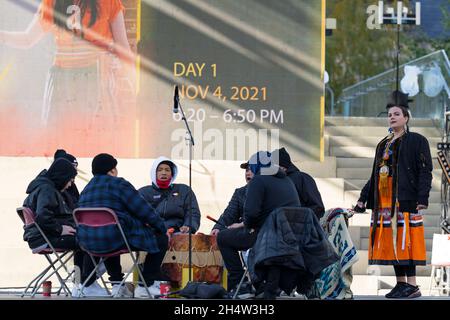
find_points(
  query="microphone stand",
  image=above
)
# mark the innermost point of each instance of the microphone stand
(190, 138)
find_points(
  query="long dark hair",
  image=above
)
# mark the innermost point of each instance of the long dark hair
(60, 11)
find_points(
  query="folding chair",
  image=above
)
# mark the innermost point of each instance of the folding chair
(61, 257)
(243, 255)
(102, 217)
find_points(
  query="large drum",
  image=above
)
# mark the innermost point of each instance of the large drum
(207, 263)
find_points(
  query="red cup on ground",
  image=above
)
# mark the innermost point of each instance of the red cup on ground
(164, 288)
(47, 288)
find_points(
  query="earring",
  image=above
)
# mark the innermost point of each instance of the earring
(390, 130)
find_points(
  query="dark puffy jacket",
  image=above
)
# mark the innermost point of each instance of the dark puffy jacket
(266, 193)
(51, 211)
(234, 212)
(292, 238)
(173, 205)
(70, 196)
(414, 174)
(307, 190)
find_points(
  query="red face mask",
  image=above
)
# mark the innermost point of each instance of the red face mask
(163, 184)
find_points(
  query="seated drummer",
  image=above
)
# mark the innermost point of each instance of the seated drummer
(233, 237)
(172, 201)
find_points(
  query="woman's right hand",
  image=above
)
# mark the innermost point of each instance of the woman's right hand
(68, 231)
(360, 207)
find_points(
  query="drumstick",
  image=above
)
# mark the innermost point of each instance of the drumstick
(216, 221)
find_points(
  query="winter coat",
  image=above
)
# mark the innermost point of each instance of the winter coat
(266, 193)
(307, 190)
(412, 174)
(50, 209)
(71, 195)
(234, 212)
(172, 204)
(292, 238)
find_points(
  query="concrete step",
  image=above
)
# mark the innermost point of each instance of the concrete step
(358, 184)
(364, 231)
(374, 131)
(386, 283)
(352, 196)
(364, 242)
(332, 191)
(342, 141)
(431, 221)
(432, 218)
(380, 121)
(364, 173)
(358, 162)
(361, 151)
(433, 210)
(361, 267)
(317, 169)
(372, 285)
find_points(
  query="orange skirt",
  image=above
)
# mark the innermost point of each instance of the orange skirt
(399, 240)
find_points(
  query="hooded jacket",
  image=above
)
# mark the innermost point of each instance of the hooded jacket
(71, 195)
(306, 186)
(48, 204)
(307, 190)
(173, 203)
(266, 193)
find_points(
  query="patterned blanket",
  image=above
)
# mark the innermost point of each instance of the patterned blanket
(335, 280)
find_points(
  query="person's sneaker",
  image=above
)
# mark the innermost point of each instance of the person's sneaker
(157, 285)
(395, 293)
(409, 291)
(75, 290)
(293, 295)
(94, 290)
(119, 291)
(245, 292)
(140, 291)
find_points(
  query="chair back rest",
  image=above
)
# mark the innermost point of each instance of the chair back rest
(95, 217)
(99, 230)
(27, 215)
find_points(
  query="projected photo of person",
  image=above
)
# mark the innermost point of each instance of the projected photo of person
(88, 103)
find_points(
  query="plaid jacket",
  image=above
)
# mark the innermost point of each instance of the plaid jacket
(138, 218)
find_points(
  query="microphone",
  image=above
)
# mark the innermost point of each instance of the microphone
(175, 100)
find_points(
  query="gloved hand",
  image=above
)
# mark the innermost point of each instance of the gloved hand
(359, 208)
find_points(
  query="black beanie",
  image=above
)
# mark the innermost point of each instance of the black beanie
(284, 159)
(103, 163)
(61, 172)
(60, 153)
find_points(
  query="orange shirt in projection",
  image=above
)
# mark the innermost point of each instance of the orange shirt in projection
(71, 50)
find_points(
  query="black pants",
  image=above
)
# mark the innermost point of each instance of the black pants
(272, 282)
(152, 264)
(80, 259)
(405, 271)
(230, 242)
